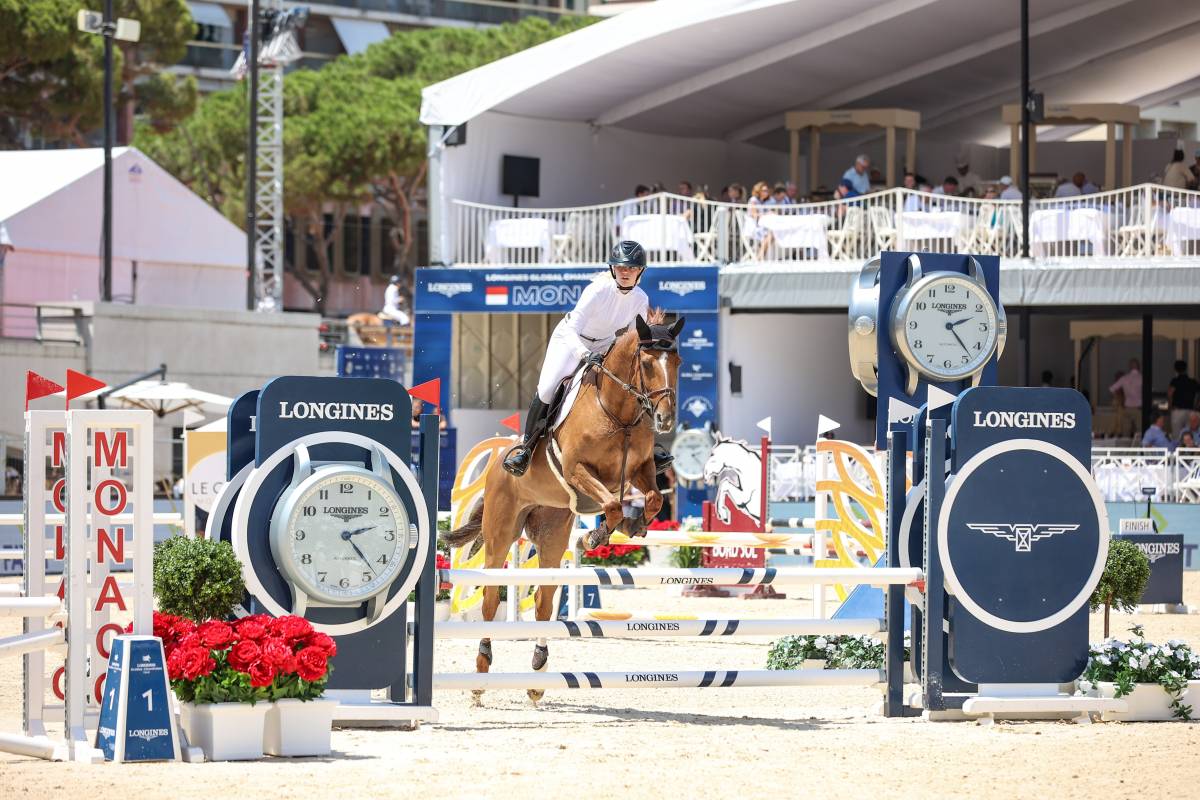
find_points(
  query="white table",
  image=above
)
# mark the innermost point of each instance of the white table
(661, 232)
(1183, 227)
(922, 226)
(1051, 225)
(798, 231)
(522, 232)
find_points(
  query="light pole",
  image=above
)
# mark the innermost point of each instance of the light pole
(127, 30)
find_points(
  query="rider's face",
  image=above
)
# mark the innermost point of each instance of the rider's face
(627, 276)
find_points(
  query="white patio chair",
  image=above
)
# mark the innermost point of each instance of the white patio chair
(706, 241)
(884, 227)
(842, 241)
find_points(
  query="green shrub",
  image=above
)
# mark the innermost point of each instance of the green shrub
(686, 557)
(1125, 574)
(198, 579)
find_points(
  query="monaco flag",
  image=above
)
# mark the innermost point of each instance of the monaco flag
(496, 296)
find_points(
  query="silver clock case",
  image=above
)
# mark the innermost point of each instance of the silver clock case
(863, 318)
(697, 438)
(304, 477)
(917, 283)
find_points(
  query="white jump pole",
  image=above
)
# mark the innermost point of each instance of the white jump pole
(11, 589)
(658, 679)
(821, 509)
(29, 606)
(31, 642)
(653, 628)
(32, 746)
(728, 576)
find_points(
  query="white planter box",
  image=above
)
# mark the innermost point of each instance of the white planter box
(225, 731)
(812, 663)
(441, 611)
(1148, 702)
(299, 728)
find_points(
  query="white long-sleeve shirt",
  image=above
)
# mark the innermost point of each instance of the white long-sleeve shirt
(1131, 384)
(602, 310)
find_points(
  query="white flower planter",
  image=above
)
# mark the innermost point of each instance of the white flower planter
(225, 731)
(1148, 702)
(812, 663)
(441, 611)
(299, 728)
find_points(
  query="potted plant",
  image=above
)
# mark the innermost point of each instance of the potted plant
(197, 579)
(1125, 574)
(1158, 682)
(299, 720)
(801, 652)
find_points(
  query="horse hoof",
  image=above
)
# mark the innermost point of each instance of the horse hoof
(535, 695)
(597, 537)
(477, 698)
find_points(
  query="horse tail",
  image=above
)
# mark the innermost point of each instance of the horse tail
(469, 532)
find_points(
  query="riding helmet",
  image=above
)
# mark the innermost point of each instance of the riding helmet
(626, 254)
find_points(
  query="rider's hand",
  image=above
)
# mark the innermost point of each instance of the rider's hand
(595, 359)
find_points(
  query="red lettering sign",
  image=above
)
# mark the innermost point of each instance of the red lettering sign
(107, 455)
(110, 593)
(122, 497)
(105, 542)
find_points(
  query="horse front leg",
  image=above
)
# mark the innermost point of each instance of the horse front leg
(493, 559)
(584, 480)
(645, 481)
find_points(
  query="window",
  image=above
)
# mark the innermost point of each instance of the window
(497, 358)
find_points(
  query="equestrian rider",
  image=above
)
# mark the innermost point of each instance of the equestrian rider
(607, 305)
(391, 303)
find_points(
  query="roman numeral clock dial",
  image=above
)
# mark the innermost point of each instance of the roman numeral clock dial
(946, 328)
(340, 537)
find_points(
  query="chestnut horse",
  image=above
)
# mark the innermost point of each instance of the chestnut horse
(605, 444)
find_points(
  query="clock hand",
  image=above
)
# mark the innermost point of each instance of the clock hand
(348, 534)
(950, 328)
(951, 325)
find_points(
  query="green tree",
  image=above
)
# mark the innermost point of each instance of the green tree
(52, 75)
(352, 135)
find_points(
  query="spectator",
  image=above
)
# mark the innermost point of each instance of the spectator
(1181, 396)
(703, 211)
(636, 205)
(845, 190)
(1089, 188)
(779, 196)
(990, 193)
(910, 181)
(1047, 379)
(915, 202)
(1177, 175)
(681, 207)
(1072, 188)
(1155, 436)
(737, 193)
(859, 175)
(1192, 429)
(1188, 440)
(418, 408)
(876, 177)
(1010, 191)
(759, 195)
(792, 192)
(12, 480)
(969, 183)
(1130, 385)
(949, 187)
(1195, 170)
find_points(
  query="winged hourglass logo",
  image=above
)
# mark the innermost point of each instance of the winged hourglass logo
(1022, 535)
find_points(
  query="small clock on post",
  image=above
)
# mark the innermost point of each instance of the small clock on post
(925, 319)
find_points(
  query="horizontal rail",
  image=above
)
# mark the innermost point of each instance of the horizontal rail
(621, 576)
(30, 642)
(29, 606)
(652, 628)
(706, 539)
(10, 590)
(658, 679)
(160, 518)
(32, 746)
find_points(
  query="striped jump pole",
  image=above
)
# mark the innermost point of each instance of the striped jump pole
(728, 576)
(705, 539)
(658, 679)
(652, 628)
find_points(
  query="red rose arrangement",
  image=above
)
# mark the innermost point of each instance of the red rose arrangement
(615, 555)
(443, 592)
(246, 660)
(663, 525)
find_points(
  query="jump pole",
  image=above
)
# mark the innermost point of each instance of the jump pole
(658, 679)
(654, 628)
(625, 576)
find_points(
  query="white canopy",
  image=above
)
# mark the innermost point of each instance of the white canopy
(731, 68)
(163, 398)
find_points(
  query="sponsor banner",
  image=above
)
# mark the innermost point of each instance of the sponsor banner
(553, 289)
(698, 385)
(1165, 552)
(204, 476)
(370, 362)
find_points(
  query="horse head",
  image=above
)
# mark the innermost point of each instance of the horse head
(657, 370)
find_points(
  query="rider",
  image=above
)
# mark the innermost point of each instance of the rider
(391, 303)
(604, 308)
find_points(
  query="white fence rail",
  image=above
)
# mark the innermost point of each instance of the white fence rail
(1144, 221)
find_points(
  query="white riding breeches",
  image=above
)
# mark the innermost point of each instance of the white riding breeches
(395, 315)
(562, 357)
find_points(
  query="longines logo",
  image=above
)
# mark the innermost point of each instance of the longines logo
(1024, 419)
(1156, 550)
(681, 288)
(368, 411)
(449, 289)
(950, 308)
(1022, 535)
(346, 513)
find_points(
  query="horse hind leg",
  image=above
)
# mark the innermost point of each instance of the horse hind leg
(551, 532)
(494, 557)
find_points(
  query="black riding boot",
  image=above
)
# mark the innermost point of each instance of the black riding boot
(517, 460)
(662, 459)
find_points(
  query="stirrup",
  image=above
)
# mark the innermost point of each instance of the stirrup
(517, 461)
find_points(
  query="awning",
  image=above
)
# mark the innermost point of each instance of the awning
(209, 14)
(359, 34)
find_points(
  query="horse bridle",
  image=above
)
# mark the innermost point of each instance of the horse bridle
(648, 402)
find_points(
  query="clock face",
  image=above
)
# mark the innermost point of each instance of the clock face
(946, 327)
(691, 450)
(345, 536)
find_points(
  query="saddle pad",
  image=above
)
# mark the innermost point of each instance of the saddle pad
(572, 391)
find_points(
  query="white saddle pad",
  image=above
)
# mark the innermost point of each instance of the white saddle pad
(569, 399)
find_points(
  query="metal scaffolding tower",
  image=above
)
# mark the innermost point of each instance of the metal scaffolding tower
(279, 48)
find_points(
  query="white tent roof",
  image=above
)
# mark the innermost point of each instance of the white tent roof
(731, 68)
(52, 201)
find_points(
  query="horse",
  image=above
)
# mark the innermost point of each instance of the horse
(371, 329)
(736, 469)
(582, 466)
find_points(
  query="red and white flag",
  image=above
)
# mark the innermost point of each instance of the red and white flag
(496, 296)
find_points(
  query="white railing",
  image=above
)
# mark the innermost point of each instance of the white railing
(1144, 221)
(1120, 472)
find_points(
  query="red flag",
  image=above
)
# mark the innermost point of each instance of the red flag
(36, 386)
(79, 384)
(513, 422)
(429, 391)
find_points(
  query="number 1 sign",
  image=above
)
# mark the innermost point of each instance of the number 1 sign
(136, 722)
